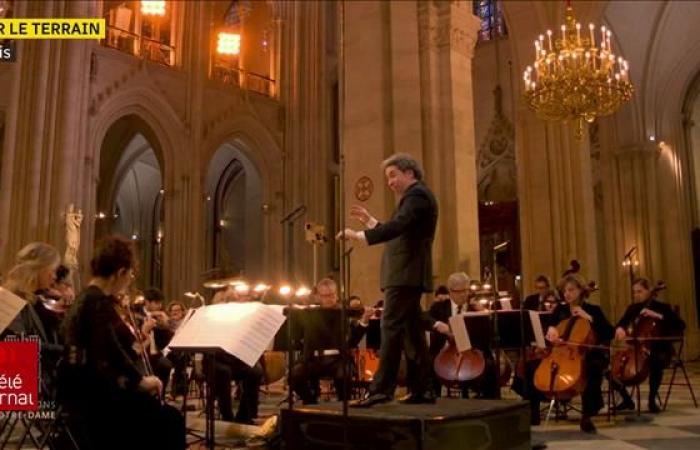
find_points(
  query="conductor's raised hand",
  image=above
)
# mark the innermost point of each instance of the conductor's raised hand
(360, 213)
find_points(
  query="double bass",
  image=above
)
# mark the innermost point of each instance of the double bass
(630, 365)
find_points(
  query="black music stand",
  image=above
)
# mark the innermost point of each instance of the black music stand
(210, 378)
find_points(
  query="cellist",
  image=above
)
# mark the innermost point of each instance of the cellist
(647, 305)
(575, 293)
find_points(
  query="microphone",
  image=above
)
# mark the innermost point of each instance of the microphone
(629, 253)
(294, 214)
(501, 246)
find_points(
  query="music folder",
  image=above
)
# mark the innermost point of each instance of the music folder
(243, 330)
(509, 327)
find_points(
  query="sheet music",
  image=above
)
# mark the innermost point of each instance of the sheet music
(459, 330)
(243, 330)
(188, 316)
(10, 306)
(537, 329)
(505, 304)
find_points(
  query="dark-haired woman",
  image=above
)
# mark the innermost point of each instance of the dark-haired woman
(647, 305)
(575, 293)
(105, 382)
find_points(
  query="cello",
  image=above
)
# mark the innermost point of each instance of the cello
(561, 374)
(630, 365)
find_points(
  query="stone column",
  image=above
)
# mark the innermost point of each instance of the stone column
(409, 90)
(644, 208)
(45, 144)
(557, 214)
(448, 34)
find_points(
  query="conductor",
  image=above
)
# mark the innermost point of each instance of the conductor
(406, 272)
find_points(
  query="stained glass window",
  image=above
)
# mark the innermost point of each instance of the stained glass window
(492, 22)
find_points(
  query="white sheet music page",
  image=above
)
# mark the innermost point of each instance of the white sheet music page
(459, 330)
(10, 306)
(243, 330)
(537, 329)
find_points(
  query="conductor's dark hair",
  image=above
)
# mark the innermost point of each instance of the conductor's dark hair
(404, 163)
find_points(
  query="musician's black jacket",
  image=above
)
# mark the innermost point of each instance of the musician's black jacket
(670, 325)
(97, 339)
(603, 330)
(314, 339)
(407, 258)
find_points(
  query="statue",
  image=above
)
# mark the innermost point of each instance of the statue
(73, 220)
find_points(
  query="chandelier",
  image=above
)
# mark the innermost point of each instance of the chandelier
(573, 78)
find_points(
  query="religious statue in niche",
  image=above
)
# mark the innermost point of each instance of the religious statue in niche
(73, 220)
(496, 158)
(364, 189)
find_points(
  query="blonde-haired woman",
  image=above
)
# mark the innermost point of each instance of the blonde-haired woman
(34, 270)
(575, 293)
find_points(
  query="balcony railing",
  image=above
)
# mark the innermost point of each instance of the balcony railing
(244, 80)
(132, 43)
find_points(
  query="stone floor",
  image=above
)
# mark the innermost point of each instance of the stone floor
(677, 428)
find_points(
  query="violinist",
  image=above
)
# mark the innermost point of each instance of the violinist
(543, 292)
(660, 352)
(458, 303)
(159, 334)
(103, 383)
(35, 272)
(176, 315)
(326, 363)
(576, 292)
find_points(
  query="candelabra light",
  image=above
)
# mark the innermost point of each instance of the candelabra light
(575, 78)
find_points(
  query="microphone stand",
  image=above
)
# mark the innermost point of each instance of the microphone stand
(344, 266)
(495, 336)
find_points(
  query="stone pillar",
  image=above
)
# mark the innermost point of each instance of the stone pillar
(644, 208)
(45, 144)
(306, 94)
(409, 89)
(448, 34)
(557, 214)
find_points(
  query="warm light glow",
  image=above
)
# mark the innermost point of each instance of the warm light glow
(285, 290)
(229, 43)
(261, 287)
(100, 215)
(486, 286)
(153, 7)
(575, 79)
(303, 291)
(242, 288)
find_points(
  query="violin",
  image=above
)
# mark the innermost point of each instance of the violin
(630, 365)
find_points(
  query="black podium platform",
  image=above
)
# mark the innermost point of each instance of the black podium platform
(449, 424)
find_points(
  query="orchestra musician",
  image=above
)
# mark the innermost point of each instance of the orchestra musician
(34, 272)
(458, 286)
(647, 305)
(228, 368)
(543, 289)
(544, 300)
(406, 273)
(326, 363)
(103, 381)
(442, 293)
(159, 333)
(576, 292)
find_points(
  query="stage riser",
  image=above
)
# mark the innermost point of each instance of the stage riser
(303, 429)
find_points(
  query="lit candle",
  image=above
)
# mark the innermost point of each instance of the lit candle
(549, 37)
(578, 33)
(537, 49)
(602, 37)
(590, 28)
(608, 43)
(563, 35)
